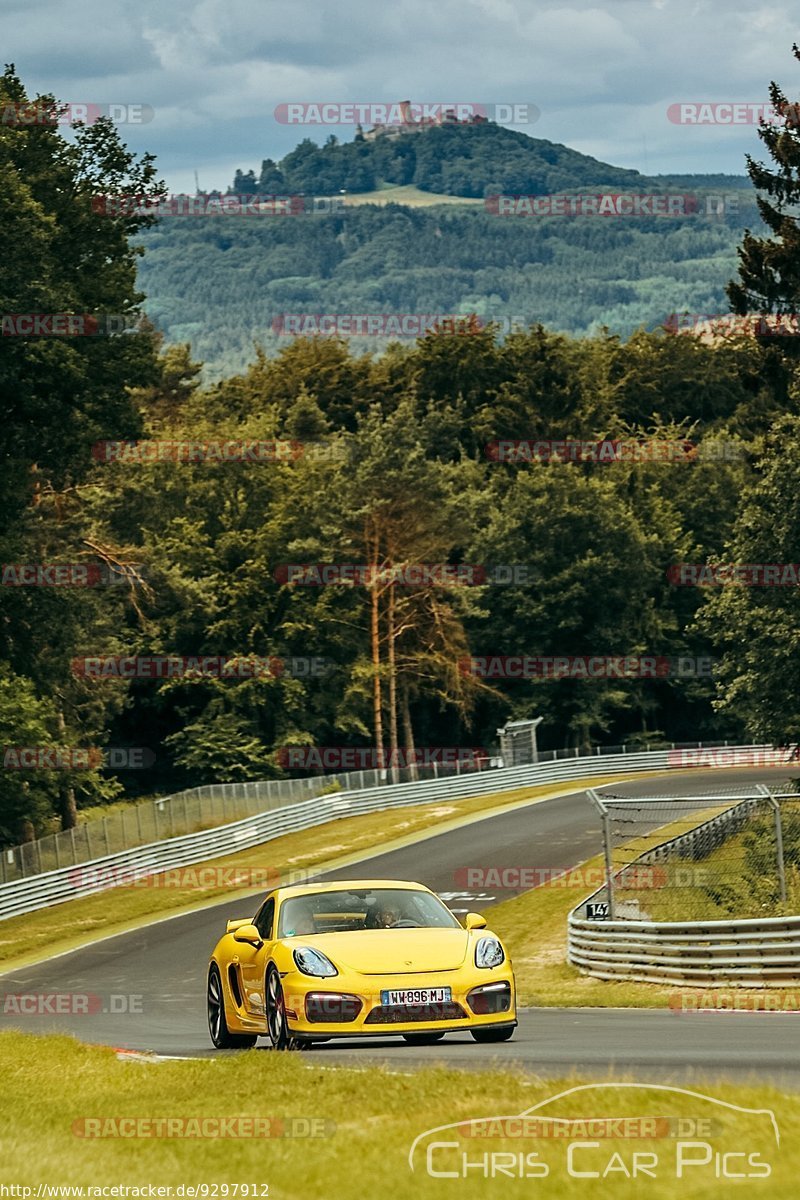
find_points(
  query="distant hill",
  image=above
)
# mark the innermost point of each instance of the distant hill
(453, 160)
(225, 284)
(471, 161)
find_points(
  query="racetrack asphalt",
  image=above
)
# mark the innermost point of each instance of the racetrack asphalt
(151, 981)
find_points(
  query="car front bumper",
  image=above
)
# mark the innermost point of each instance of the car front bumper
(351, 1006)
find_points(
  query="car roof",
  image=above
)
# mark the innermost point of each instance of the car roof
(345, 885)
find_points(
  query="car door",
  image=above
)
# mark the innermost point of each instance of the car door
(252, 960)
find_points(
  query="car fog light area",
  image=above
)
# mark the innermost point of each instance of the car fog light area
(331, 1006)
(490, 998)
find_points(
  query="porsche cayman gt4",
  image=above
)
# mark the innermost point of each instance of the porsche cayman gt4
(358, 959)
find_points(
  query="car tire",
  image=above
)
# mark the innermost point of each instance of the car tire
(493, 1035)
(275, 1010)
(422, 1039)
(221, 1036)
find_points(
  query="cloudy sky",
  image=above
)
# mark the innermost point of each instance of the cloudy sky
(602, 74)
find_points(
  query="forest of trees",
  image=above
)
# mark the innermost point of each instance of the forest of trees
(389, 465)
(220, 283)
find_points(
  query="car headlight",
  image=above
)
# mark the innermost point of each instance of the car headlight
(314, 962)
(489, 953)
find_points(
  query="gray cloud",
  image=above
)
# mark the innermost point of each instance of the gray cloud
(602, 74)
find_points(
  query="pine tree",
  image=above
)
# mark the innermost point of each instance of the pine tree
(769, 267)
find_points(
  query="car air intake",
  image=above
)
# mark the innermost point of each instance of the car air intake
(490, 998)
(331, 1007)
(398, 1014)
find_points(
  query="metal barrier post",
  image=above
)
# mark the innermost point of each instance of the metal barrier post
(596, 799)
(776, 809)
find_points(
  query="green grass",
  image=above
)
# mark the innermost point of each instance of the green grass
(75, 922)
(738, 879)
(408, 194)
(534, 926)
(370, 1119)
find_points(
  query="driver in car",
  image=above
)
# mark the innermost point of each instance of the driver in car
(304, 922)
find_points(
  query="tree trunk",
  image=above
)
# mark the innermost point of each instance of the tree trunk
(408, 731)
(393, 745)
(375, 635)
(68, 806)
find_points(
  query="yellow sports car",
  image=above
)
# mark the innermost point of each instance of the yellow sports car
(360, 958)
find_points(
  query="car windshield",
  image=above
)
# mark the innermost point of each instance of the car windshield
(370, 908)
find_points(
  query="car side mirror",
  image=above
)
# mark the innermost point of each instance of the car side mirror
(475, 921)
(249, 934)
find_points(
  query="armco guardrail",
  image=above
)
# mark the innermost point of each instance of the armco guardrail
(763, 951)
(699, 953)
(215, 804)
(68, 883)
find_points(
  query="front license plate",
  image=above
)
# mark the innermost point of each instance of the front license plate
(416, 996)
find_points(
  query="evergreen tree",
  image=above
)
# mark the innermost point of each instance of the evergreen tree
(769, 267)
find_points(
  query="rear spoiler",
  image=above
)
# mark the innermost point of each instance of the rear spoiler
(229, 928)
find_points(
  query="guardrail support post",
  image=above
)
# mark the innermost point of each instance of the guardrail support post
(776, 809)
(609, 867)
(597, 800)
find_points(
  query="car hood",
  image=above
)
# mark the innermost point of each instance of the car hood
(392, 951)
